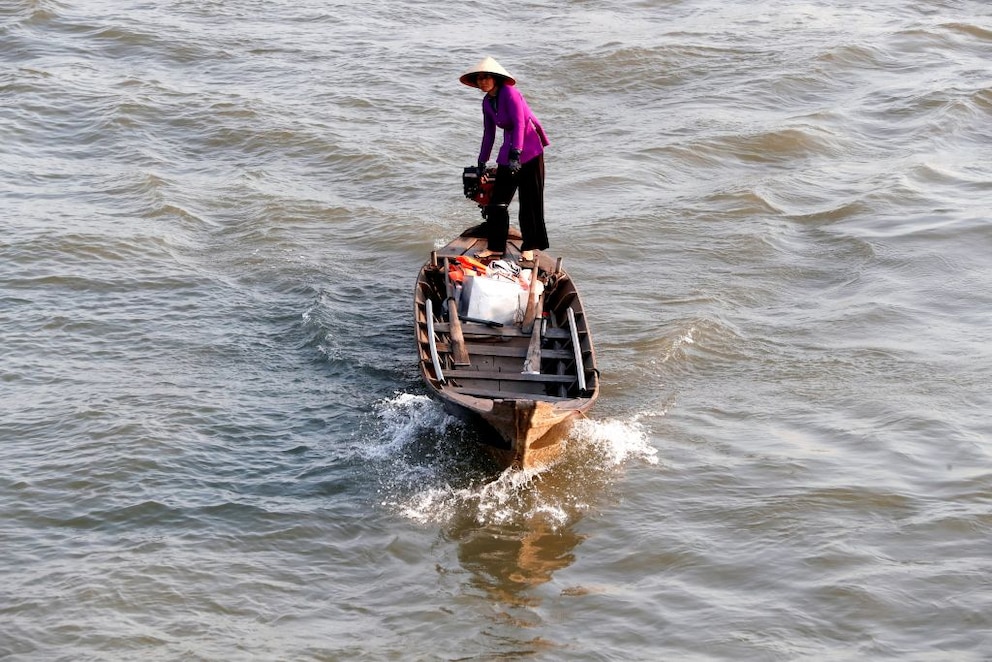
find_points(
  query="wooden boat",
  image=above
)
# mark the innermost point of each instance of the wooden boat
(526, 380)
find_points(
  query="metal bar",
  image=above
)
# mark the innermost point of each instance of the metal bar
(429, 310)
(580, 369)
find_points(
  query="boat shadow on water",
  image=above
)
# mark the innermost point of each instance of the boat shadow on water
(505, 563)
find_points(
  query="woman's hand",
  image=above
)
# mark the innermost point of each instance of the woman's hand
(514, 161)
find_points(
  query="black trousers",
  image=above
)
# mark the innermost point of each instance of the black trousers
(530, 182)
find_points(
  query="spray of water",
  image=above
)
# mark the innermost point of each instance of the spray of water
(431, 468)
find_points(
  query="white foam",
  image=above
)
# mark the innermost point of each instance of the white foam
(511, 498)
(432, 470)
(618, 441)
(402, 419)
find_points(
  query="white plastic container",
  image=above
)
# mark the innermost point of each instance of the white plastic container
(491, 300)
(495, 300)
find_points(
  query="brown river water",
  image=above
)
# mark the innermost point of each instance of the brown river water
(214, 444)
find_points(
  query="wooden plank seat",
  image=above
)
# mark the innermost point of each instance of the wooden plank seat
(475, 329)
(502, 349)
(493, 394)
(491, 375)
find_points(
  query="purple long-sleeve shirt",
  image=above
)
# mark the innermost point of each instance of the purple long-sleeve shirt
(521, 130)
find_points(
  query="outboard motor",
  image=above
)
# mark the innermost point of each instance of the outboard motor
(479, 191)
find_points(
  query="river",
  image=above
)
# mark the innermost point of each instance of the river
(214, 444)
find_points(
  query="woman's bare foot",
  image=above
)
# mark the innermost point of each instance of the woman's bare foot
(482, 255)
(527, 256)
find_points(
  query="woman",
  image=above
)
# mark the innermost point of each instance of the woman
(519, 163)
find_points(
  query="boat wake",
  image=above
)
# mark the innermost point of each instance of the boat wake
(431, 469)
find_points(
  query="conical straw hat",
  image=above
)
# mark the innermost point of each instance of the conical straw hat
(486, 65)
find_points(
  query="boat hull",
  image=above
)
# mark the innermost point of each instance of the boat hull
(525, 434)
(526, 382)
